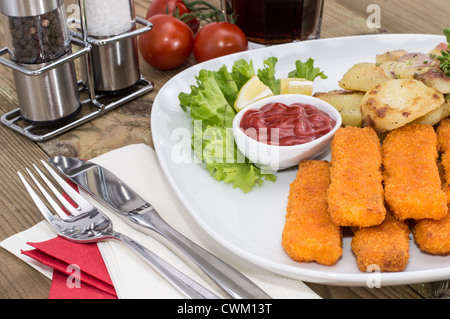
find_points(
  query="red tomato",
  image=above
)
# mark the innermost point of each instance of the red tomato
(217, 39)
(167, 7)
(168, 45)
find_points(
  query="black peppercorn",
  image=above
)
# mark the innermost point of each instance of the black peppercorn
(38, 39)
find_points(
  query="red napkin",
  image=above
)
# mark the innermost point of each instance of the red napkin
(79, 269)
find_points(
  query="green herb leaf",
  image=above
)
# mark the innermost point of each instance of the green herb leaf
(444, 62)
(444, 59)
(447, 34)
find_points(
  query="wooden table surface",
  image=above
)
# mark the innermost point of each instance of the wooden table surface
(17, 213)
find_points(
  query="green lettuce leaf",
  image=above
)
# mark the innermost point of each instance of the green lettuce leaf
(227, 84)
(306, 70)
(241, 72)
(243, 176)
(210, 105)
(267, 75)
(225, 162)
(206, 101)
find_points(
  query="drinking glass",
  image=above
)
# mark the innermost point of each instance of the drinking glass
(276, 21)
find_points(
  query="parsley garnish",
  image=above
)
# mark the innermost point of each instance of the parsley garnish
(444, 59)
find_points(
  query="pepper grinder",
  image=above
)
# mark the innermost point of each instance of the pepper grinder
(37, 36)
(114, 53)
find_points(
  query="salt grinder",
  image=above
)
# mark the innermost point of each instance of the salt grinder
(38, 36)
(114, 54)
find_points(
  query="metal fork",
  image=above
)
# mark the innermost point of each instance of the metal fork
(87, 224)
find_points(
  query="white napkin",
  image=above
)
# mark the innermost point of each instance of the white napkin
(137, 165)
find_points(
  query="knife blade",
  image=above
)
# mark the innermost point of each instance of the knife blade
(107, 188)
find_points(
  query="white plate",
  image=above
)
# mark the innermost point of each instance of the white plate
(250, 225)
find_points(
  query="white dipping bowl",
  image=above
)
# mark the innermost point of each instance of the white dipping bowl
(273, 157)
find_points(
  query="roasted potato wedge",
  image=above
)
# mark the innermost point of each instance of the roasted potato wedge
(390, 56)
(346, 102)
(394, 103)
(389, 68)
(436, 51)
(436, 79)
(403, 70)
(435, 116)
(363, 77)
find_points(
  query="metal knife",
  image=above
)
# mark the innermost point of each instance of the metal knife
(141, 215)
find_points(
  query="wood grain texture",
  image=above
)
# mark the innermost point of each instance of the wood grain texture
(131, 124)
(17, 213)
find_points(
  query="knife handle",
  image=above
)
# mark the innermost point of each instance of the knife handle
(227, 278)
(183, 283)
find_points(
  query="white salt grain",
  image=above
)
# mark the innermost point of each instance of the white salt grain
(108, 17)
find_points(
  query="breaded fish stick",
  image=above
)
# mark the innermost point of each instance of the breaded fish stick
(309, 234)
(355, 195)
(412, 181)
(385, 246)
(433, 236)
(443, 135)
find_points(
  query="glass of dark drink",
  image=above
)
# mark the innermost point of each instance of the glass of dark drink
(277, 21)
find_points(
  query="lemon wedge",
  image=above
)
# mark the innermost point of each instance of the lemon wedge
(253, 90)
(296, 86)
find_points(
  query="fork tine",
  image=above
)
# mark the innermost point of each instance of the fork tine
(73, 210)
(39, 204)
(50, 200)
(83, 204)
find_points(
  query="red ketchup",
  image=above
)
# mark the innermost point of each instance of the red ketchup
(283, 125)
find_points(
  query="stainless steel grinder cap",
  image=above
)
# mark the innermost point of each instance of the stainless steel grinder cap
(26, 8)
